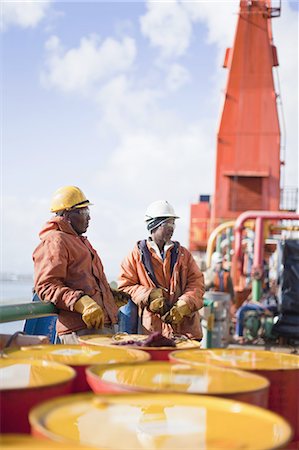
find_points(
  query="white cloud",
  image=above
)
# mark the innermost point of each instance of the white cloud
(220, 31)
(92, 62)
(20, 237)
(177, 76)
(167, 26)
(24, 14)
(144, 160)
(125, 106)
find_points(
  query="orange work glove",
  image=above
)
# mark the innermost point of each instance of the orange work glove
(92, 313)
(157, 303)
(177, 313)
(121, 298)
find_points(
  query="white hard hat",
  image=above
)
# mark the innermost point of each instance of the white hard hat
(159, 208)
(217, 258)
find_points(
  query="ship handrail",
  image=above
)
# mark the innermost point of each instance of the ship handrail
(24, 311)
(38, 309)
(35, 310)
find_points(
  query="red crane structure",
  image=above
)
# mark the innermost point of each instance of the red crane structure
(248, 142)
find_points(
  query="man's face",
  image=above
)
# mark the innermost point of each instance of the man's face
(165, 231)
(79, 219)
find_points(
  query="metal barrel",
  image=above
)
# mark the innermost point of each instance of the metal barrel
(281, 369)
(160, 376)
(25, 441)
(216, 320)
(24, 384)
(79, 357)
(160, 421)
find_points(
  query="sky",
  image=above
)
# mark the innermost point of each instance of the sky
(122, 99)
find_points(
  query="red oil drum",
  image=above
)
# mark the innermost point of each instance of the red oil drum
(25, 441)
(79, 357)
(156, 353)
(24, 384)
(180, 378)
(281, 369)
(159, 421)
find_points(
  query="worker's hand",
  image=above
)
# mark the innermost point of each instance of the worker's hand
(92, 313)
(155, 293)
(177, 313)
(121, 298)
(157, 303)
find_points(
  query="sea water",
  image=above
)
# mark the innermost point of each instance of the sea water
(14, 292)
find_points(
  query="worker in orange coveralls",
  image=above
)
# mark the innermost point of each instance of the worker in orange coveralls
(69, 272)
(217, 278)
(163, 279)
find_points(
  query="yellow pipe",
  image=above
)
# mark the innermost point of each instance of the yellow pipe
(287, 228)
(213, 236)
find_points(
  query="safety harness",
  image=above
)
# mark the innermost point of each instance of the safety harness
(147, 261)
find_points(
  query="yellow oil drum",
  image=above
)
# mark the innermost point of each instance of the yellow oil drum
(25, 441)
(160, 376)
(25, 383)
(160, 421)
(156, 353)
(79, 357)
(281, 369)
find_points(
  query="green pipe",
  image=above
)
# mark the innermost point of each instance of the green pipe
(210, 324)
(11, 313)
(218, 243)
(256, 290)
(207, 302)
(229, 244)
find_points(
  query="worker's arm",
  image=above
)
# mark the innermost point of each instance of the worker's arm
(129, 280)
(51, 261)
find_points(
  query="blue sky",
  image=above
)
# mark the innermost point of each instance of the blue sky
(122, 99)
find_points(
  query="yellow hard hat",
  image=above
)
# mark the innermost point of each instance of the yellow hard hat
(68, 197)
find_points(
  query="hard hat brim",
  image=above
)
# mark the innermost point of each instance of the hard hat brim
(170, 216)
(83, 205)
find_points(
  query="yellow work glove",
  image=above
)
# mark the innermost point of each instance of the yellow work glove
(177, 313)
(157, 303)
(155, 293)
(92, 313)
(121, 298)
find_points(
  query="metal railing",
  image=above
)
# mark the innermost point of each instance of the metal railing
(35, 310)
(23, 311)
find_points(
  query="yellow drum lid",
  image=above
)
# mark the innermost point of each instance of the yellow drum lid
(181, 342)
(240, 359)
(26, 373)
(20, 441)
(79, 355)
(183, 378)
(160, 421)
